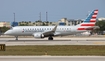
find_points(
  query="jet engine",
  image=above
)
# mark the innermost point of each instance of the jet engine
(83, 34)
(86, 34)
(38, 35)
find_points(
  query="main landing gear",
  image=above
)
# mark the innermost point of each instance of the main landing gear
(50, 38)
(16, 37)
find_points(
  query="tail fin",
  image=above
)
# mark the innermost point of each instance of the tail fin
(89, 21)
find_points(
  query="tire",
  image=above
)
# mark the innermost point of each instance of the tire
(50, 38)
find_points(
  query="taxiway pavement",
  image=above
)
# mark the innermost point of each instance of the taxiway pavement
(52, 58)
(56, 41)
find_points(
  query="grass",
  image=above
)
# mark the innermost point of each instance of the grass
(58, 50)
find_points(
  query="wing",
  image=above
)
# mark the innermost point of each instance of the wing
(51, 33)
(46, 33)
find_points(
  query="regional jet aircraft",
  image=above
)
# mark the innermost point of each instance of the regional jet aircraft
(50, 31)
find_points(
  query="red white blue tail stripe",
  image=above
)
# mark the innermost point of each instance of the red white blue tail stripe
(89, 21)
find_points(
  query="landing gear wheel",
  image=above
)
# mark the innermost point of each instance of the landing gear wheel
(16, 37)
(50, 38)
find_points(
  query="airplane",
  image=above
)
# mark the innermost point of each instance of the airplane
(49, 31)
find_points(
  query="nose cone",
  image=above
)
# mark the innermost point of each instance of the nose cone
(7, 32)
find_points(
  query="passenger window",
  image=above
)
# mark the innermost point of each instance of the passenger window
(33, 28)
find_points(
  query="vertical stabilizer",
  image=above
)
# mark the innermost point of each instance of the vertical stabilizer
(89, 21)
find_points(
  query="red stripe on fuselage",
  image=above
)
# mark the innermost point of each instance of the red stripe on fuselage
(85, 29)
(81, 29)
(87, 24)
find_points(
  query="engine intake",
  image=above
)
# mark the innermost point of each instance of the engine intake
(38, 35)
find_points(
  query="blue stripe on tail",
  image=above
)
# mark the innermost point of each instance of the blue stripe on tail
(89, 17)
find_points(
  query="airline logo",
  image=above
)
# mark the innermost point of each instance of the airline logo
(90, 21)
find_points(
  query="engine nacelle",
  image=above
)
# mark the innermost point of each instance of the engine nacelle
(86, 33)
(38, 35)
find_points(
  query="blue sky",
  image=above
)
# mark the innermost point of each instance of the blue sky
(28, 10)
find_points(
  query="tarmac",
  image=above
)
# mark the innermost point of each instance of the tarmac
(10, 41)
(56, 41)
(52, 58)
